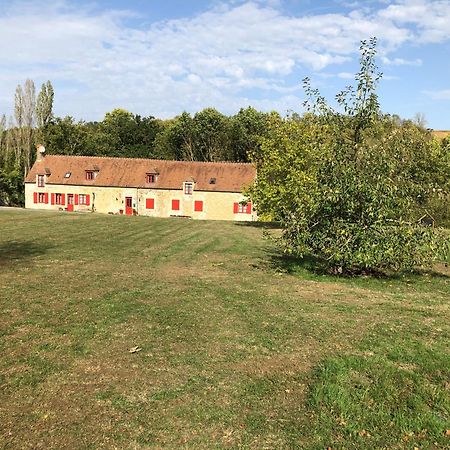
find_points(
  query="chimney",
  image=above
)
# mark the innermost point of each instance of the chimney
(40, 150)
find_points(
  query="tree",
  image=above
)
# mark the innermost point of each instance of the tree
(211, 135)
(247, 127)
(65, 136)
(25, 110)
(349, 187)
(44, 105)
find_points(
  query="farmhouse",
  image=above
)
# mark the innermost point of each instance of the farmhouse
(199, 190)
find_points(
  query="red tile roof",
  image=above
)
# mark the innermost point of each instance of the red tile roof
(131, 172)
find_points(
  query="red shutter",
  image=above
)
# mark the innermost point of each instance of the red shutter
(249, 208)
(35, 197)
(52, 197)
(150, 203)
(46, 197)
(63, 199)
(175, 205)
(76, 199)
(198, 206)
(236, 208)
(87, 199)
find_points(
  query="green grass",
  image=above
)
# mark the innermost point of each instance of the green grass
(240, 349)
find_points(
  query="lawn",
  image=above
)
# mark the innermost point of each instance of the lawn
(237, 348)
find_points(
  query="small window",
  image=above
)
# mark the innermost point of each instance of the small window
(42, 197)
(67, 175)
(59, 199)
(212, 181)
(198, 206)
(41, 181)
(188, 188)
(175, 205)
(83, 199)
(89, 174)
(239, 208)
(151, 178)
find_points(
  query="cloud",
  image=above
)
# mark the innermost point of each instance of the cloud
(438, 95)
(230, 55)
(401, 62)
(430, 17)
(346, 75)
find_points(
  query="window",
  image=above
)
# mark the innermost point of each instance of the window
(42, 197)
(41, 181)
(175, 205)
(83, 199)
(150, 203)
(89, 175)
(151, 178)
(67, 175)
(239, 208)
(212, 181)
(59, 199)
(188, 188)
(198, 206)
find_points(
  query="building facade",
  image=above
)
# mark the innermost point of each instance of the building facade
(198, 190)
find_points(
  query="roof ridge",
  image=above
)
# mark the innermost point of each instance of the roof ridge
(148, 159)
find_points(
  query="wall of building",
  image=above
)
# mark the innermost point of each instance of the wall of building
(216, 205)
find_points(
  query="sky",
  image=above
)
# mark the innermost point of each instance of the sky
(161, 58)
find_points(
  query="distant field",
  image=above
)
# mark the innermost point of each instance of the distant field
(239, 349)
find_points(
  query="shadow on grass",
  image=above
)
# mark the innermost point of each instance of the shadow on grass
(17, 251)
(310, 266)
(263, 225)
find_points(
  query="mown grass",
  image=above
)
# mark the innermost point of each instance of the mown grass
(239, 349)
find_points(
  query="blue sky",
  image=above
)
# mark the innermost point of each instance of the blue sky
(160, 58)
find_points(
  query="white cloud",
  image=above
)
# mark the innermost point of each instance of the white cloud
(401, 62)
(430, 17)
(232, 55)
(346, 75)
(438, 95)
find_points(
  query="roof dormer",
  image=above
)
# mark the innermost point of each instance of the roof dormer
(152, 176)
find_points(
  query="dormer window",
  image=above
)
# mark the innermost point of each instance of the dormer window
(41, 180)
(89, 174)
(150, 178)
(188, 188)
(67, 175)
(212, 181)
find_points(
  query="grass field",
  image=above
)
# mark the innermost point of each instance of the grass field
(237, 347)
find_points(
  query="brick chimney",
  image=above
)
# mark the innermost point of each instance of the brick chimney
(40, 150)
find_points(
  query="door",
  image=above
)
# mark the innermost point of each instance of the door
(129, 206)
(69, 202)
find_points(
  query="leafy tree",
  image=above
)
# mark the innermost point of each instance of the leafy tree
(349, 187)
(247, 127)
(64, 136)
(11, 187)
(211, 129)
(44, 104)
(25, 111)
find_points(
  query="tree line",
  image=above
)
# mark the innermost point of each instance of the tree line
(205, 136)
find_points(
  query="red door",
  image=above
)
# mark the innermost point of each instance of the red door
(129, 206)
(69, 202)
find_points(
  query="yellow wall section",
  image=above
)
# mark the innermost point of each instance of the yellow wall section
(216, 205)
